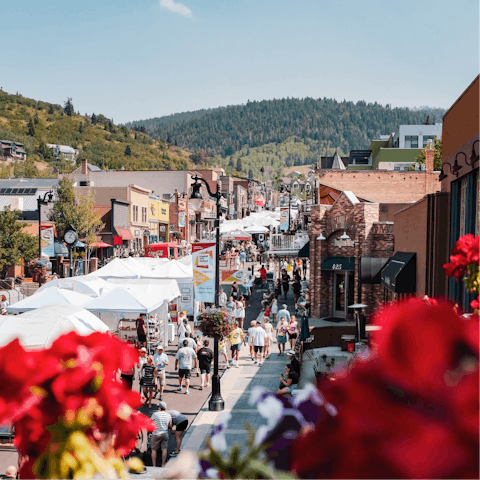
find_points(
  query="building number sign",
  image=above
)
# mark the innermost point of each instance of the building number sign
(337, 266)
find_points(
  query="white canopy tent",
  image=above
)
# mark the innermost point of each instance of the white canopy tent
(86, 284)
(117, 268)
(146, 262)
(47, 297)
(41, 327)
(187, 260)
(256, 229)
(154, 287)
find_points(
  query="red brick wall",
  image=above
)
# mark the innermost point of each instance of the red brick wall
(381, 186)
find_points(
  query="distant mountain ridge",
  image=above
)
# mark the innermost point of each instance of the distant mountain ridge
(344, 125)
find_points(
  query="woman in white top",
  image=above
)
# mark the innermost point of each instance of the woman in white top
(267, 326)
(274, 309)
(253, 324)
(240, 310)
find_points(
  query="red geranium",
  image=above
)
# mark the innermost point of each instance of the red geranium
(465, 253)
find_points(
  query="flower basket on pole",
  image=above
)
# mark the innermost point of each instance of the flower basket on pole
(214, 324)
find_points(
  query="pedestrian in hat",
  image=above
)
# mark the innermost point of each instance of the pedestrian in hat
(163, 423)
(293, 361)
(160, 359)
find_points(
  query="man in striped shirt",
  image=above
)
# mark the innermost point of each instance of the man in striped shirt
(163, 423)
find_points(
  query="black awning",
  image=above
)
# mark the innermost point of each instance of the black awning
(400, 273)
(305, 251)
(371, 269)
(338, 263)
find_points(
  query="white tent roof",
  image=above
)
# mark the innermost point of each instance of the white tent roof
(187, 260)
(256, 229)
(174, 269)
(117, 269)
(41, 327)
(87, 284)
(47, 297)
(146, 262)
(126, 301)
(155, 287)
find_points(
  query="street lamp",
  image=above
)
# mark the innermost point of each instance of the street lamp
(288, 189)
(216, 402)
(40, 202)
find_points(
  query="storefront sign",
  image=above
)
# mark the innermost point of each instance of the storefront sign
(47, 240)
(181, 219)
(337, 242)
(284, 220)
(204, 256)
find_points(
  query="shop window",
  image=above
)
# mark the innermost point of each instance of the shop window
(411, 141)
(463, 206)
(144, 214)
(426, 138)
(135, 213)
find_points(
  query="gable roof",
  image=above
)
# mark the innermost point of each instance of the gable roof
(337, 163)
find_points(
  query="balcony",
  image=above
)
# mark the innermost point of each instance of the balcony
(287, 243)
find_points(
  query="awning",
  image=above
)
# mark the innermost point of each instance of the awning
(305, 251)
(124, 233)
(338, 263)
(60, 248)
(400, 273)
(371, 269)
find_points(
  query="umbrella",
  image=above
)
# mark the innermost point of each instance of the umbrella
(99, 244)
(80, 244)
(358, 305)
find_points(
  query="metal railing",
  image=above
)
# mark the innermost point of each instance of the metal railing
(282, 241)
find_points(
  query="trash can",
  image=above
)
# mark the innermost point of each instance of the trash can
(350, 347)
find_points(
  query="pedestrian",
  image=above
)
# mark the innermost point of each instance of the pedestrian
(184, 360)
(304, 267)
(243, 258)
(283, 312)
(160, 359)
(246, 292)
(181, 317)
(297, 288)
(263, 274)
(141, 360)
(292, 331)
(307, 301)
(222, 349)
(294, 362)
(240, 310)
(222, 299)
(181, 335)
(278, 288)
(288, 381)
(205, 357)
(180, 422)
(253, 324)
(188, 328)
(236, 339)
(149, 373)
(274, 308)
(11, 472)
(235, 292)
(191, 342)
(228, 257)
(127, 375)
(3, 305)
(285, 282)
(281, 332)
(268, 327)
(259, 337)
(163, 423)
(141, 330)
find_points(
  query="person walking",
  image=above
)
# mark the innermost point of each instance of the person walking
(304, 268)
(285, 282)
(253, 324)
(205, 357)
(181, 334)
(259, 337)
(3, 305)
(246, 292)
(191, 342)
(163, 424)
(240, 310)
(263, 274)
(268, 327)
(235, 291)
(292, 331)
(222, 349)
(141, 330)
(281, 332)
(274, 308)
(184, 360)
(222, 299)
(243, 258)
(236, 339)
(141, 360)
(160, 359)
(180, 422)
(127, 376)
(149, 373)
(297, 288)
(283, 312)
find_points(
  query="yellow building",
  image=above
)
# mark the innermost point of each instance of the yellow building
(138, 213)
(164, 220)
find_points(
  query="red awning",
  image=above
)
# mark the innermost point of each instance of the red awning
(124, 233)
(261, 203)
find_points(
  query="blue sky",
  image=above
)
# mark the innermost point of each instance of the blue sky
(147, 58)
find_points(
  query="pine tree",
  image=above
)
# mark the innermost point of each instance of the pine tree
(94, 119)
(239, 165)
(128, 151)
(68, 107)
(31, 128)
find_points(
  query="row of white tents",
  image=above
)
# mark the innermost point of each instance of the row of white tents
(96, 302)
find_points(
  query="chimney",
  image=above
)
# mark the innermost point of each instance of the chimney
(429, 157)
(84, 166)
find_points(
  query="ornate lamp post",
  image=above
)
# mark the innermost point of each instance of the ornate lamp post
(216, 402)
(288, 189)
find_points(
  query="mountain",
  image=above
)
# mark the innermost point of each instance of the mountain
(36, 123)
(344, 125)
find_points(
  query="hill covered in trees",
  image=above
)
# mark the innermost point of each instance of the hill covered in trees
(36, 123)
(344, 125)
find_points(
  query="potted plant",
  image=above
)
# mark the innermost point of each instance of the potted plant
(214, 324)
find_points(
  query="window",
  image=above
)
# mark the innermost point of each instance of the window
(135, 213)
(463, 206)
(426, 138)
(411, 141)
(144, 214)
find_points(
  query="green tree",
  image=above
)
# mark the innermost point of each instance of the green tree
(68, 107)
(31, 128)
(128, 151)
(15, 244)
(239, 165)
(437, 155)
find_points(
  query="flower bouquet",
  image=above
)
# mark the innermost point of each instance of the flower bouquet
(214, 324)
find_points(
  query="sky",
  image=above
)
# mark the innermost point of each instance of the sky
(149, 58)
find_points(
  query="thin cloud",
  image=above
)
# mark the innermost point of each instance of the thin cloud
(176, 7)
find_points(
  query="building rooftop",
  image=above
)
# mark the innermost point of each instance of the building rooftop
(42, 183)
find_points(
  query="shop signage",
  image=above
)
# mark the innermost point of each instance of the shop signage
(343, 243)
(204, 256)
(47, 241)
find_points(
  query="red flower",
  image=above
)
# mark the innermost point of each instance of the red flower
(475, 303)
(468, 246)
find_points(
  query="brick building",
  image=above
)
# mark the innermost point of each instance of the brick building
(349, 245)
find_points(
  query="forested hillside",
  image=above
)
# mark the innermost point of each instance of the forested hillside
(36, 123)
(343, 125)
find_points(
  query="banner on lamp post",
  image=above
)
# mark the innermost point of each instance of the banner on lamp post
(204, 258)
(181, 219)
(284, 220)
(47, 241)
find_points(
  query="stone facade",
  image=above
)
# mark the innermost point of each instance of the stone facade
(371, 238)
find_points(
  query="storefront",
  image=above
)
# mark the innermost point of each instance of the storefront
(163, 220)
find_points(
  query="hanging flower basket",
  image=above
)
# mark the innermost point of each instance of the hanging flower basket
(214, 324)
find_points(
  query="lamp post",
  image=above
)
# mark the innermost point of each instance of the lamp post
(288, 189)
(40, 202)
(216, 402)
